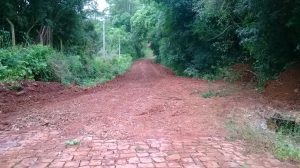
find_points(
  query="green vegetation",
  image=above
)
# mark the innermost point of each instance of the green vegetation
(217, 93)
(224, 73)
(284, 143)
(286, 149)
(72, 142)
(88, 71)
(43, 63)
(213, 93)
(31, 62)
(63, 41)
(198, 38)
(195, 38)
(209, 94)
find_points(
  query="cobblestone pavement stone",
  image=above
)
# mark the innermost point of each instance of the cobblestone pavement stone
(38, 149)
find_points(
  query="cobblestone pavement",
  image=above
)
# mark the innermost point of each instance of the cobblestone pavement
(47, 149)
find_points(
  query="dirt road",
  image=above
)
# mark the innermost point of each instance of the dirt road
(146, 118)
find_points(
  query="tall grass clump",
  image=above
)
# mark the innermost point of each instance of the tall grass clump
(89, 70)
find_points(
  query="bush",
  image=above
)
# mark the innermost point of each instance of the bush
(45, 64)
(225, 73)
(4, 38)
(88, 71)
(26, 63)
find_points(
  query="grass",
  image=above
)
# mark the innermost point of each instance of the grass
(286, 149)
(225, 73)
(209, 94)
(15, 87)
(283, 146)
(216, 93)
(72, 142)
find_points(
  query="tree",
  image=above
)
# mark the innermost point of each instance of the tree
(44, 21)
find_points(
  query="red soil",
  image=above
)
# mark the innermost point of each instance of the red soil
(286, 89)
(147, 98)
(246, 73)
(148, 101)
(33, 93)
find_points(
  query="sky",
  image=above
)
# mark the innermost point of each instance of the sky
(101, 4)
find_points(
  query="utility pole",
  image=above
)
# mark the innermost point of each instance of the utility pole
(104, 50)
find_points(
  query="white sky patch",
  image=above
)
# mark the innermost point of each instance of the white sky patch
(101, 5)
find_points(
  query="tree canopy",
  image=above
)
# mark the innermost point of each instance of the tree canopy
(204, 35)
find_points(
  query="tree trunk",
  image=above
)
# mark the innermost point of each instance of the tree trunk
(51, 37)
(46, 35)
(41, 35)
(61, 45)
(104, 47)
(13, 35)
(28, 40)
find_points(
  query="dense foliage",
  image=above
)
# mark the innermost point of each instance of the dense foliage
(46, 22)
(121, 12)
(45, 64)
(30, 63)
(200, 37)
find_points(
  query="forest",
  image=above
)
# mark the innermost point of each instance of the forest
(204, 37)
(63, 40)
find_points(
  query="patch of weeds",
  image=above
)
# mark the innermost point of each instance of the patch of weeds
(260, 88)
(286, 149)
(191, 72)
(285, 125)
(72, 142)
(216, 93)
(229, 75)
(15, 87)
(253, 135)
(225, 73)
(209, 94)
(258, 139)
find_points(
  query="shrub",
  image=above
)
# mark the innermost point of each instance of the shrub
(218, 93)
(45, 64)
(88, 71)
(26, 63)
(191, 72)
(4, 38)
(225, 73)
(209, 94)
